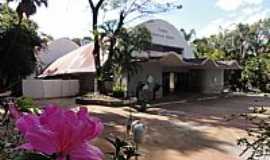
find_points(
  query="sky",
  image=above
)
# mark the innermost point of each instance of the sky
(72, 18)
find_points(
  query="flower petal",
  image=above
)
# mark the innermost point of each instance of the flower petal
(14, 112)
(63, 132)
(26, 146)
(26, 122)
(86, 152)
(42, 140)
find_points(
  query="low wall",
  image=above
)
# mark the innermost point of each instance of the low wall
(50, 88)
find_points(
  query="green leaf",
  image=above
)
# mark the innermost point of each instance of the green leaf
(32, 156)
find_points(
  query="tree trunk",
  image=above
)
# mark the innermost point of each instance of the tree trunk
(96, 51)
(113, 40)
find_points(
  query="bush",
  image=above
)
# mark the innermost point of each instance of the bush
(26, 104)
(119, 90)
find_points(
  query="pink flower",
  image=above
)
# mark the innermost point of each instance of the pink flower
(61, 132)
(14, 112)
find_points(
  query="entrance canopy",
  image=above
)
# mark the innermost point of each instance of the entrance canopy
(172, 59)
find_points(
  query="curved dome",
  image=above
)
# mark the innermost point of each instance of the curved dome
(55, 50)
(165, 34)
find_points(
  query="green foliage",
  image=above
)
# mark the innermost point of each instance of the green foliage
(206, 49)
(256, 72)
(9, 140)
(119, 90)
(32, 156)
(123, 150)
(28, 7)
(122, 60)
(129, 42)
(26, 104)
(249, 45)
(17, 47)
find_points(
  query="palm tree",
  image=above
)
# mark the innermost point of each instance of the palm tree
(28, 7)
(188, 36)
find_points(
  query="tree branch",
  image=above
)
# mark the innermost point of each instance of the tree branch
(91, 4)
(100, 2)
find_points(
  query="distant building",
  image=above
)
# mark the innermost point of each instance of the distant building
(169, 61)
(54, 50)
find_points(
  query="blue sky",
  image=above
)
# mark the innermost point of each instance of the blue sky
(206, 16)
(72, 18)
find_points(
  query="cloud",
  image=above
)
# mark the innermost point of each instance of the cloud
(246, 15)
(239, 11)
(63, 18)
(231, 5)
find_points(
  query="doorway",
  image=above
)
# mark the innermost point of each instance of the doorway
(182, 82)
(166, 83)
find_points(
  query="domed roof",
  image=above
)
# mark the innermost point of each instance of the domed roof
(164, 33)
(55, 50)
(79, 60)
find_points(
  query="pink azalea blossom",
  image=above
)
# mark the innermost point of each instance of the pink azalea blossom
(61, 132)
(14, 112)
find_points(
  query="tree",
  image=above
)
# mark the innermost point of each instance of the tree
(28, 7)
(96, 52)
(128, 10)
(18, 61)
(188, 36)
(256, 72)
(249, 45)
(130, 42)
(124, 63)
(205, 49)
(18, 36)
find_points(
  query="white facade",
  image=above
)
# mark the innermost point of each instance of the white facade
(165, 34)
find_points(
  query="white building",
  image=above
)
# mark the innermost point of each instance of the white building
(169, 62)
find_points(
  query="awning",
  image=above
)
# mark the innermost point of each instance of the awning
(172, 59)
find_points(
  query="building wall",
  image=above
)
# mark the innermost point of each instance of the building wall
(87, 82)
(212, 81)
(150, 68)
(165, 34)
(188, 51)
(50, 88)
